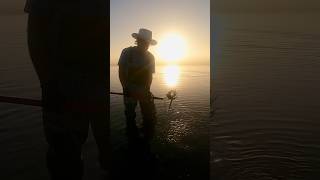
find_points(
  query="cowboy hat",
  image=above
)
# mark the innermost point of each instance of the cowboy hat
(146, 35)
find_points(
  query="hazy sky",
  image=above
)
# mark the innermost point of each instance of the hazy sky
(266, 6)
(188, 18)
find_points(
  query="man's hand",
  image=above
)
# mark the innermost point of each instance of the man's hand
(138, 94)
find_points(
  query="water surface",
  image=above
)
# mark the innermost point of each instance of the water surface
(182, 140)
(265, 122)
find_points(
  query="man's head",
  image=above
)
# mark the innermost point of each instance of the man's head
(144, 39)
(142, 44)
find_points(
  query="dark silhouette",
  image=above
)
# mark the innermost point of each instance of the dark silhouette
(136, 66)
(68, 47)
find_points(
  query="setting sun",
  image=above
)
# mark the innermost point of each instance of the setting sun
(171, 48)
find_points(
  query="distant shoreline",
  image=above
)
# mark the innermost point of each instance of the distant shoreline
(204, 64)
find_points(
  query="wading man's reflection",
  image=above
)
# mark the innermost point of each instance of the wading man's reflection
(68, 47)
(136, 66)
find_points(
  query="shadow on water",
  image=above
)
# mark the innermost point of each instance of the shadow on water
(133, 162)
(165, 158)
(170, 163)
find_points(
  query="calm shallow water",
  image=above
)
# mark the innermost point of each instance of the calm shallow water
(182, 141)
(265, 121)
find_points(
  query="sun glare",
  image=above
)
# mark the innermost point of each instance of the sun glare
(172, 48)
(171, 75)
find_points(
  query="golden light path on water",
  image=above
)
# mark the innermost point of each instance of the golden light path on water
(171, 75)
(178, 126)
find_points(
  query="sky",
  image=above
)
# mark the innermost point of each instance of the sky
(266, 6)
(190, 19)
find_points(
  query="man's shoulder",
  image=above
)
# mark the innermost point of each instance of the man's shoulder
(150, 55)
(125, 55)
(128, 49)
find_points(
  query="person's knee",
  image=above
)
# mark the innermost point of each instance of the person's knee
(149, 115)
(130, 113)
(52, 98)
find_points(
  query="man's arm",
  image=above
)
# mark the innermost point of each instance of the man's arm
(149, 82)
(122, 68)
(152, 70)
(122, 76)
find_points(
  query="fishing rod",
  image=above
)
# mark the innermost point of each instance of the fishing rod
(122, 94)
(171, 95)
(35, 102)
(22, 101)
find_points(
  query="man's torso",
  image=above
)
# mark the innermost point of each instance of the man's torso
(139, 66)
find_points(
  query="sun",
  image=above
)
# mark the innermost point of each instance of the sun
(172, 47)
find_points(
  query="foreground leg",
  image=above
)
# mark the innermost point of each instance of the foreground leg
(148, 111)
(93, 57)
(65, 133)
(132, 131)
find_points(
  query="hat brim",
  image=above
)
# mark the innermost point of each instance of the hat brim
(152, 41)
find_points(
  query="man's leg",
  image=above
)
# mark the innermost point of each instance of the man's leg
(65, 133)
(39, 28)
(93, 57)
(132, 131)
(148, 111)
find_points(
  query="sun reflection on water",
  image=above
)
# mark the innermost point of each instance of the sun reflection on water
(171, 75)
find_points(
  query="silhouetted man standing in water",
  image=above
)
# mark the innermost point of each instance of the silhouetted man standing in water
(136, 66)
(68, 46)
